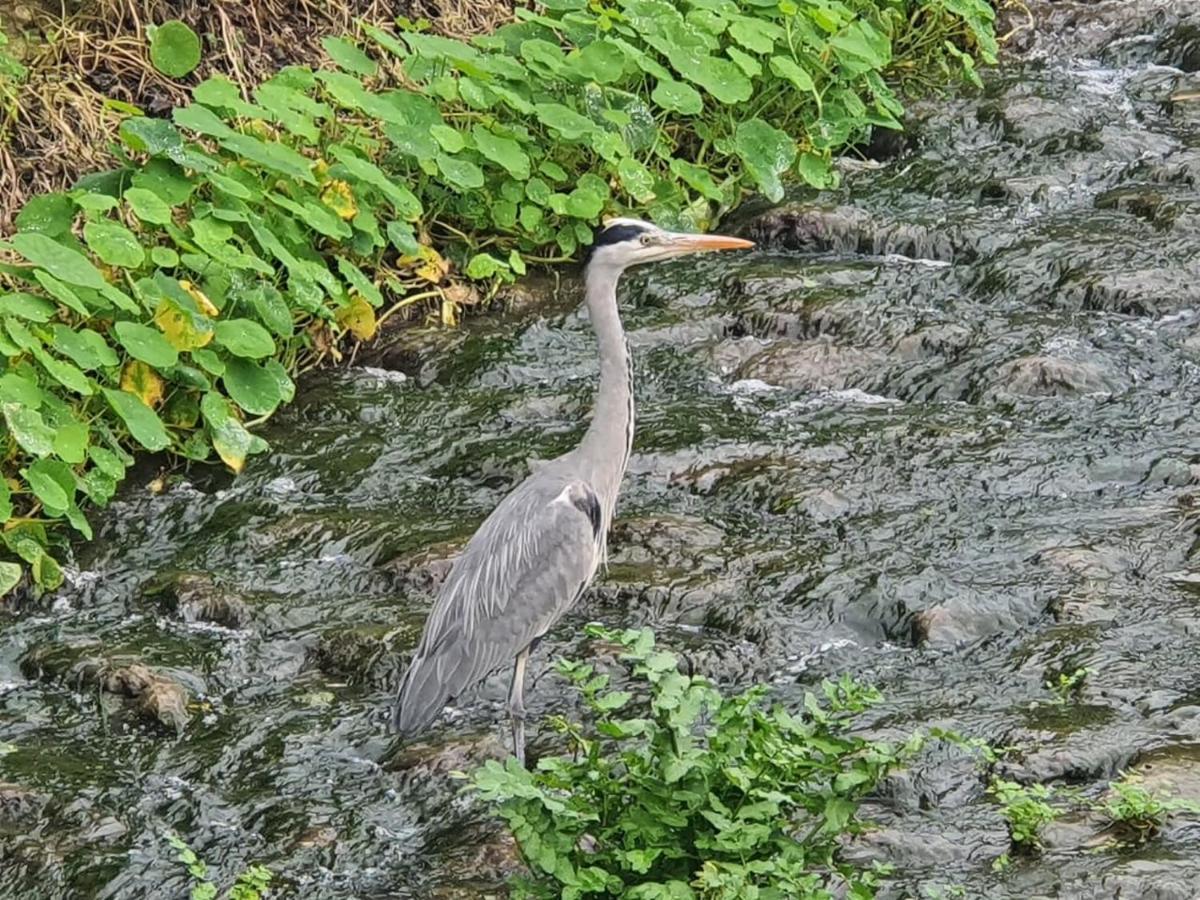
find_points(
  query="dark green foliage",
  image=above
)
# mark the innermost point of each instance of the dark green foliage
(693, 794)
(159, 305)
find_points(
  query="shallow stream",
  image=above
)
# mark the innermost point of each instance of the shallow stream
(939, 432)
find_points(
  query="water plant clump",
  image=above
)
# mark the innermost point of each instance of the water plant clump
(1026, 809)
(691, 793)
(1140, 813)
(251, 884)
(166, 304)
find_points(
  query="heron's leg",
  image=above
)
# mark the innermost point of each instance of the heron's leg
(516, 705)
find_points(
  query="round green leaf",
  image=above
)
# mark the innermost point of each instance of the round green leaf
(59, 260)
(720, 77)
(18, 389)
(47, 572)
(501, 150)
(678, 97)
(766, 152)
(107, 462)
(142, 422)
(570, 124)
(449, 139)
(29, 429)
(349, 57)
(460, 173)
(45, 478)
(146, 344)
(601, 61)
(70, 442)
(246, 338)
(230, 438)
(10, 574)
(148, 206)
(786, 67)
(164, 257)
(174, 49)
(84, 347)
(26, 306)
(251, 387)
(114, 244)
(50, 214)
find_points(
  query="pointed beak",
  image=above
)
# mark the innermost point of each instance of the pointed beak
(698, 243)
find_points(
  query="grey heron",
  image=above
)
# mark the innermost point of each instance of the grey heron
(534, 556)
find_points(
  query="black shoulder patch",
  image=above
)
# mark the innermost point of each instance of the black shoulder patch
(613, 234)
(589, 504)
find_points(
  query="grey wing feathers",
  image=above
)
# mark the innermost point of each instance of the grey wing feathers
(523, 568)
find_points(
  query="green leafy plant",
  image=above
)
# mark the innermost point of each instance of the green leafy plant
(252, 884)
(693, 794)
(1026, 810)
(1138, 812)
(165, 305)
(1068, 684)
(174, 48)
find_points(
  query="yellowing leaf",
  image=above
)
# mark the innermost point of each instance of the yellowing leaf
(339, 197)
(143, 382)
(449, 312)
(358, 318)
(427, 264)
(183, 329)
(321, 169)
(206, 305)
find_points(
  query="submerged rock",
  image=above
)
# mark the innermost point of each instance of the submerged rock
(199, 599)
(812, 366)
(1050, 376)
(19, 806)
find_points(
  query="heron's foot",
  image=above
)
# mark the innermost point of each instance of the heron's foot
(518, 735)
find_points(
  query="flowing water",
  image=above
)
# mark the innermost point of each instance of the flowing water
(939, 432)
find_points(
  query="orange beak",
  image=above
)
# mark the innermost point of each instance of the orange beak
(697, 243)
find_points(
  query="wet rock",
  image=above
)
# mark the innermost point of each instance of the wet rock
(199, 599)
(936, 340)
(910, 849)
(1151, 879)
(364, 654)
(812, 366)
(459, 754)
(19, 806)
(483, 870)
(1050, 376)
(946, 626)
(1170, 773)
(1181, 48)
(1085, 562)
(157, 697)
(1047, 125)
(851, 229)
(424, 570)
(670, 540)
(1076, 831)
(729, 355)
(1171, 470)
(1084, 755)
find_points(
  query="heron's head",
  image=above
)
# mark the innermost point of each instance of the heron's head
(628, 242)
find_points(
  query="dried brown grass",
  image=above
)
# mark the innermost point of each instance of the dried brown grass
(94, 53)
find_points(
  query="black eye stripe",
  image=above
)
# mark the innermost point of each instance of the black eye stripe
(613, 234)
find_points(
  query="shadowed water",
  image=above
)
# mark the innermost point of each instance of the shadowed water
(939, 432)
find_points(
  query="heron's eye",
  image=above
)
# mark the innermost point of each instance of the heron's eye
(646, 240)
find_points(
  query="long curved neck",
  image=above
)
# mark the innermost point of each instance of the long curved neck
(604, 451)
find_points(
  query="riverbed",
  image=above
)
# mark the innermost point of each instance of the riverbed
(938, 431)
